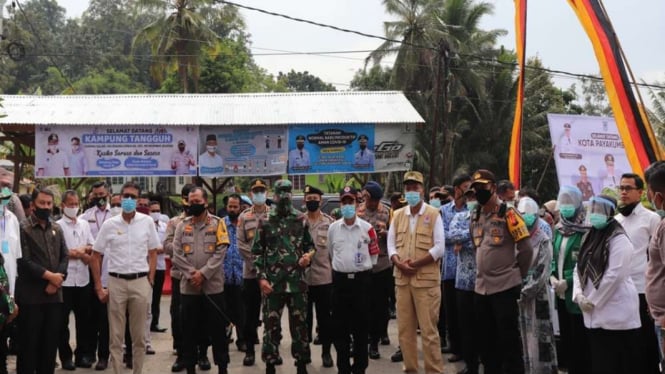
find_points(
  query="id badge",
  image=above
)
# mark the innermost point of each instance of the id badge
(359, 258)
(5, 247)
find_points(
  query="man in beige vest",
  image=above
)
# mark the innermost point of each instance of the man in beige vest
(415, 246)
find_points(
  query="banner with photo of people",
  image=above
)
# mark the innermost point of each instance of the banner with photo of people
(588, 152)
(242, 150)
(79, 151)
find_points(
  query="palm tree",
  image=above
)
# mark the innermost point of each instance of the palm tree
(178, 39)
(657, 113)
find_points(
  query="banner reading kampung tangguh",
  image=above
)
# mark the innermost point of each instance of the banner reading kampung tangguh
(350, 148)
(78, 151)
(588, 152)
(242, 150)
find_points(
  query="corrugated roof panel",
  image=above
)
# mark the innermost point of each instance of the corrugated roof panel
(214, 109)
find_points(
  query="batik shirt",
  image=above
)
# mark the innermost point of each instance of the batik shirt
(233, 261)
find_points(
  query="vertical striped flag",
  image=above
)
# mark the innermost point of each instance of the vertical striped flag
(515, 154)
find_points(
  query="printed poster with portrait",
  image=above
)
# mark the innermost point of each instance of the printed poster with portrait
(104, 151)
(588, 152)
(242, 150)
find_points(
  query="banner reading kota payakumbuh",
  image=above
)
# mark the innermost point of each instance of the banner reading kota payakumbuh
(242, 150)
(103, 151)
(350, 148)
(588, 152)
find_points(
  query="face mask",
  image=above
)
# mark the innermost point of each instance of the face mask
(116, 210)
(313, 205)
(412, 197)
(626, 210)
(660, 212)
(75, 148)
(348, 211)
(196, 209)
(99, 202)
(155, 216)
(471, 204)
(529, 219)
(211, 148)
(128, 205)
(300, 146)
(181, 149)
(43, 213)
(510, 204)
(598, 220)
(259, 198)
(52, 148)
(567, 210)
(363, 147)
(435, 203)
(483, 196)
(233, 215)
(71, 212)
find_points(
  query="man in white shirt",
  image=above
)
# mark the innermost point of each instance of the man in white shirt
(182, 159)
(76, 287)
(210, 162)
(11, 251)
(299, 157)
(640, 224)
(54, 162)
(127, 240)
(78, 165)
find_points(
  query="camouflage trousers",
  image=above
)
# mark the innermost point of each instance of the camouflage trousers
(273, 305)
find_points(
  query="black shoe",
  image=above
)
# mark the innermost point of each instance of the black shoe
(157, 329)
(68, 365)
(385, 340)
(301, 368)
(177, 367)
(204, 363)
(279, 361)
(373, 351)
(327, 360)
(397, 356)
(454, 358)
(446, 349)
(84, 363)
(317, 340)
(149, 350)
(102, 365)
(223, 371)
(242, 347)
(270, 369)
(191, 370)
(130, 364)
(249, 359)
(466, 370)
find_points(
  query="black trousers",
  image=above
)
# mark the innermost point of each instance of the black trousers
(350, 314)
(156, 297)
(614, 351)
(235, 309)
(574, 340)
(381, 286)
(77, 300)
(176, 321)
(647, 341)
(40, 326)
(320, 297)
(499, 335)
(99, 332)
(251, 294)
(200, 315)
(449, 304)
(468, 329)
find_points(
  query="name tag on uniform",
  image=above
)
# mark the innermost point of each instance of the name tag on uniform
(5, 247)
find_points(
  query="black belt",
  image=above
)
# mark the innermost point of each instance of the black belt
(129, 276)
(354, 275)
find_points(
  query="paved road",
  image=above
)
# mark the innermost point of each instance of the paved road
(162, 360)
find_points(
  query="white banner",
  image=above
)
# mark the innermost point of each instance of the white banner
(78, 151)
(588, 152)
(394, 147)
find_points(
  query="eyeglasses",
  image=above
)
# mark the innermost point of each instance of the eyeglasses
(155, 211)
(129, 196)
(116, 205)
(627, 188)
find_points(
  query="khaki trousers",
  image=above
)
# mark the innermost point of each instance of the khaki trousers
(131, 296)
(419, 307)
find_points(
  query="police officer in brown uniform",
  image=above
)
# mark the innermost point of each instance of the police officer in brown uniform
(319, 274)
(503, 257)
(248, 222)
(199, 245)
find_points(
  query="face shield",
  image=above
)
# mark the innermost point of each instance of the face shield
(569, 201)
(529, 210)
(600, 211)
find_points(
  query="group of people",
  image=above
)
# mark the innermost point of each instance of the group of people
(474, 269)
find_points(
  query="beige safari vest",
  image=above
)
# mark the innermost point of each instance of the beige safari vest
(416, 245)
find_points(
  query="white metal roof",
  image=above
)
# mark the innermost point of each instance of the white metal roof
(212, 109)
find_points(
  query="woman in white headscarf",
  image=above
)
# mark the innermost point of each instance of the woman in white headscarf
(534, 302)
(605, 292)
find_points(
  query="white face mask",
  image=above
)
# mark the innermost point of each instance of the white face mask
(155, 216)
(211, 148)
(116, 210)
(71, 212)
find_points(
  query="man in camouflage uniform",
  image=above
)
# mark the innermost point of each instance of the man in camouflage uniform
(281, 247)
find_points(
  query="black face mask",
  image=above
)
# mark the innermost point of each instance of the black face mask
(196, 209)
(233, 215)
(313, 205)
(626, 210)
(483, 196)
(99, 202)
(300, 146)
(43, 213)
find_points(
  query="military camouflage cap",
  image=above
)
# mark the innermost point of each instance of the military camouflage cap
(283, 185)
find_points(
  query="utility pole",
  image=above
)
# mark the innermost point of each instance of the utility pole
(435, 121)
(447, 140)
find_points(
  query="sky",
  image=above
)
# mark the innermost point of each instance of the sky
(553, 33)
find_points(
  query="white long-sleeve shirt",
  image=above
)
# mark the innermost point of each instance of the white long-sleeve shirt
(439, 239)
(616, 304)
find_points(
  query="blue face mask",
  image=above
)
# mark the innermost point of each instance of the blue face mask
(529, 219)
(598, 220)
(412, 197)
(567, 210)
(348, 211)
(259, 198)
(435, 203)
(471, 204)
(128, 205)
